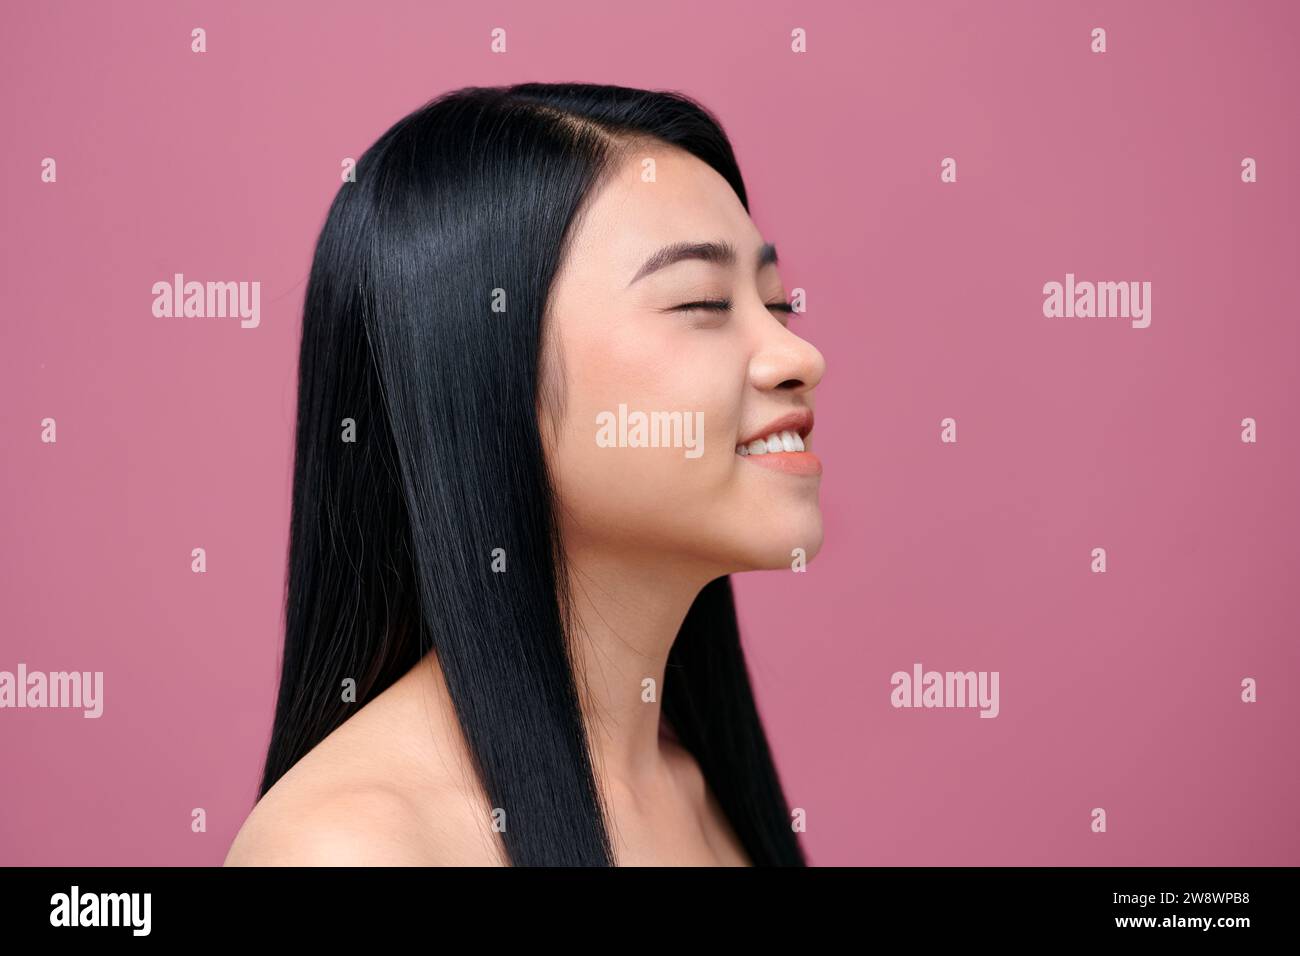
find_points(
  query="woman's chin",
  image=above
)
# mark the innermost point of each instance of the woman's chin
(787, 551)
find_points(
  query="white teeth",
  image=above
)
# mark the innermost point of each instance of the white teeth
(786, 441)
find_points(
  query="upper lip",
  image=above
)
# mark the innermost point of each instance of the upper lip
(799, 421)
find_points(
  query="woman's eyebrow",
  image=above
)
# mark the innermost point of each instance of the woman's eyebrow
(722, 253)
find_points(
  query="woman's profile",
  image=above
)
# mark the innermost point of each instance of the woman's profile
(548, 400)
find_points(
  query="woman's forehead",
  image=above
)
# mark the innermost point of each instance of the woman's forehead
(642, 207)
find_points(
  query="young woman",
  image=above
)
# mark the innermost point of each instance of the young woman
(548, 401)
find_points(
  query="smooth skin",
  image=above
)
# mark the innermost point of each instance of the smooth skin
(644, 530)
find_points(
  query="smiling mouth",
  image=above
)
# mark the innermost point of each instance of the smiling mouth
(774, 444)
(781, 451)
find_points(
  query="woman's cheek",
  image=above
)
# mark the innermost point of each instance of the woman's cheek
(657, 369)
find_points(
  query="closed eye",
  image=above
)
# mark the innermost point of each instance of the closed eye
(724, 305)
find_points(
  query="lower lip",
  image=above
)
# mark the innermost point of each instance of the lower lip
(790, 462)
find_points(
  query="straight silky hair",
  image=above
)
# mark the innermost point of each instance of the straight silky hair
(419, 454)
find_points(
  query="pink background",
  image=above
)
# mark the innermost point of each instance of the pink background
(1119, 690)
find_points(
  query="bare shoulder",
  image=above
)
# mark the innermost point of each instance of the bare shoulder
(356, 826)
(327, 816)
(381, 790)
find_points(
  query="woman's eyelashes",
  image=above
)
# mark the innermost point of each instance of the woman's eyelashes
(724, 305)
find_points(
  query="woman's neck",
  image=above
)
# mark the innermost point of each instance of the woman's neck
(627, 611)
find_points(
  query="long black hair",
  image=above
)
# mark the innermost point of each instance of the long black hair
(418, 453)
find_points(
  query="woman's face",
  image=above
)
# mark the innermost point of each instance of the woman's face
(632, 364)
